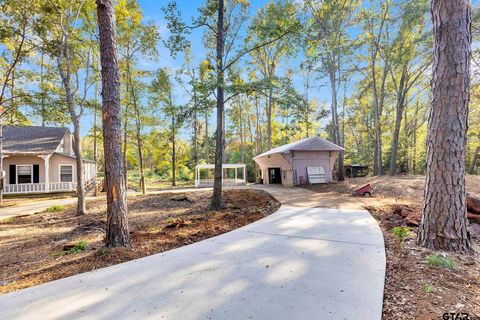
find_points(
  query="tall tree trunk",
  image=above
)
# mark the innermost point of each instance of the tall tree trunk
(65, 75)
(336, 127)
(207, 139)
(117, 220)
(258, 130)
(195, 134)
(42, 98)
(125, 147)
(376, 120)
(217, 201)
(13, 102)
(378, 100)
(473, 165)
(444, 221)
(398, 122)
(242, 136)
(269, 118)
(138, 124)
(77, 148)
(406, 134)
(415, 128)
(140, 155)
(307, 104)
(174, 156)
(95, 126)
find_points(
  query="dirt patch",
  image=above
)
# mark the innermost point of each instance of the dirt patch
(414, 289)
(48, 246)
(13, 200)
(403, 188)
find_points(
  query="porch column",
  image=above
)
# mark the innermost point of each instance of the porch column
(46, 158)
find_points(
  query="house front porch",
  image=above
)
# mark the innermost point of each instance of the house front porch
(23, 188)
(29, 173)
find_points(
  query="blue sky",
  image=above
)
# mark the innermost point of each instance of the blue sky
(153, 13)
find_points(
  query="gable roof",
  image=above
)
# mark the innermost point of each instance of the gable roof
(307, 144)
(32, 139)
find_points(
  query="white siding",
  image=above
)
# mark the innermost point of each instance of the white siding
(24, 159)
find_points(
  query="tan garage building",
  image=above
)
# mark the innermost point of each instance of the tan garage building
(311, 160)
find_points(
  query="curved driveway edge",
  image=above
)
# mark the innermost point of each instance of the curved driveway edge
(298, 263)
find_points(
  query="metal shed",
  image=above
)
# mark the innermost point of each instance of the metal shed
(288, 164)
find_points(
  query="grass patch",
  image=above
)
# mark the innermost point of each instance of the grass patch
(183, 234)
(102, 251)
(402, 233)
(8, 220)
(154, 229)
(436, 260)
(428, 288)
(77, 248)
(55, 208)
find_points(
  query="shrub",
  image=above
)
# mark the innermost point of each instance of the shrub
(55, 208)
(184, 174)
(428, 288)
(402, 233)
(79, 247)
(102, 251)
(436, 260)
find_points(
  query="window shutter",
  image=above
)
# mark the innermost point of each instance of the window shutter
(36, 173)
(13, 174)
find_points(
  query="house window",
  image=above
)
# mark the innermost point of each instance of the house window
(66, 173)
(24, 174)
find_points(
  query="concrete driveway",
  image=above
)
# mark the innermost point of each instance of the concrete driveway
(301, 262)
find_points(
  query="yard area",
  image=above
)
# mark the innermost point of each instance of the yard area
(420, 284)
(56, 244)
(13, 200)
(154, 182)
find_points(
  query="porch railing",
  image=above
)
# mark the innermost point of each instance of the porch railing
(39, 187)
(225, 182)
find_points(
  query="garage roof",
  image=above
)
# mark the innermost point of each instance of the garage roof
(307, 144)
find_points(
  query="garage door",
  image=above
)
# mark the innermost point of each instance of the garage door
(300, 168)
(316, 175)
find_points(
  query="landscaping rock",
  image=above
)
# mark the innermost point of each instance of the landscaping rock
(177, 223)
(181, 198)
(473, 216)
(473, 202)
(413, 218)
(474, 229)
(403, 211)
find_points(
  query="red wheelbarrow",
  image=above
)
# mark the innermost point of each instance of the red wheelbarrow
(366, 191)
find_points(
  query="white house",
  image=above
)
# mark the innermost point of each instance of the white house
(41, 160)
(306, 161)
